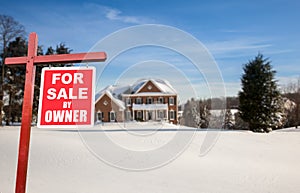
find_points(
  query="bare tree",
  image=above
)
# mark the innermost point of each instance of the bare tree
(9, 29)
(292, 92)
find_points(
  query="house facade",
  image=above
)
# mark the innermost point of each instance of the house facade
(145, 100)
(108, 108)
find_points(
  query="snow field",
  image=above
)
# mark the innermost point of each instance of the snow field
(240, 161)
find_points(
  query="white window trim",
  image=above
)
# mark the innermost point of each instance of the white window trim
(161, 114)
(150, 99)
(160, 101)
(128, 115)
(98, 116)
(173, 101)
(128, 101)
(172, 115)
(110, 113)
(138, 99)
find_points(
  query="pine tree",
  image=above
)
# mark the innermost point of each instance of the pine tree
(60, 49)
(14, 78)
(200, 116)
(228, 120)
(9, 29)
(260, 100)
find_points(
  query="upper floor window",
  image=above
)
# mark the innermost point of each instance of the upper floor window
(128, 101)
(138, 101)
(171, 101)
(149, 100)
(160, 100)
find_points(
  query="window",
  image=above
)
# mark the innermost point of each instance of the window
(139, 115)
(99, 116)
(105, 103)
(128, 101)
(161, 114)
(172, 115)
(171, 101)
(149, 100)
(138, 101)
(128, 115)
(112, 116)
(160, 100)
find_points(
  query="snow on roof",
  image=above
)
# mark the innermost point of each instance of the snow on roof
(150, 106)
(141, 94)
(137, 85)
(113, 92)
(162, 85)
(165, 86)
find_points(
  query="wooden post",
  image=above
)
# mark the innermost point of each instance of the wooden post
(26, 115)
(30, 61)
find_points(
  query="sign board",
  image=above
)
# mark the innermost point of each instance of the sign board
(66, 97)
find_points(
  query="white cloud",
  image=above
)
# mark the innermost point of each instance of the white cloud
(113, 14)
(116, 15)
(285, 80)
(244, 47)
(237, 45)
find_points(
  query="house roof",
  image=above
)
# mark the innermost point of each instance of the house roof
(163, 85)
(112, 93)
(116, 92)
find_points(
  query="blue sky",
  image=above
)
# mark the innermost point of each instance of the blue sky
(233, 31)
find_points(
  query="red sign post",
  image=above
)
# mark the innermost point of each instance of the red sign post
(30, 61)
(66, 97)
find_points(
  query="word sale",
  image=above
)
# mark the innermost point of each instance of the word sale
(67, 93)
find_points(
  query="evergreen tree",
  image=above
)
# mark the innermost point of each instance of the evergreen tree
(60, 49)
(260, 100)
(229, 120)
(240, 123)
(201, 114)
(196, 114)
(14, 79)
(9, 29)
(187, 117)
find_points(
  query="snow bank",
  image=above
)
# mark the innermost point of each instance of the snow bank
(239, 162)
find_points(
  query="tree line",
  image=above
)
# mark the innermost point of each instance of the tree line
(260, 105)
(13, 44)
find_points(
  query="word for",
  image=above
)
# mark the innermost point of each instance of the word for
(67, 78)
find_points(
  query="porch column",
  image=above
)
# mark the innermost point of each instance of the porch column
(133, 114)
(167, 114)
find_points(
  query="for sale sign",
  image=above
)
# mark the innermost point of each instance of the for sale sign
(66, 97)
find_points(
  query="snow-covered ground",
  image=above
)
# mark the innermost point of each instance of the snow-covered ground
(65, 161)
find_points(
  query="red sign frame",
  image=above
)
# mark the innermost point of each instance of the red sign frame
(66, 97)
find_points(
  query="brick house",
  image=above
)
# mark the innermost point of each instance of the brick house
(108, 108)
(145, 100)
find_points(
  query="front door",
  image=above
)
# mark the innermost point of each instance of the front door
(149, 115)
